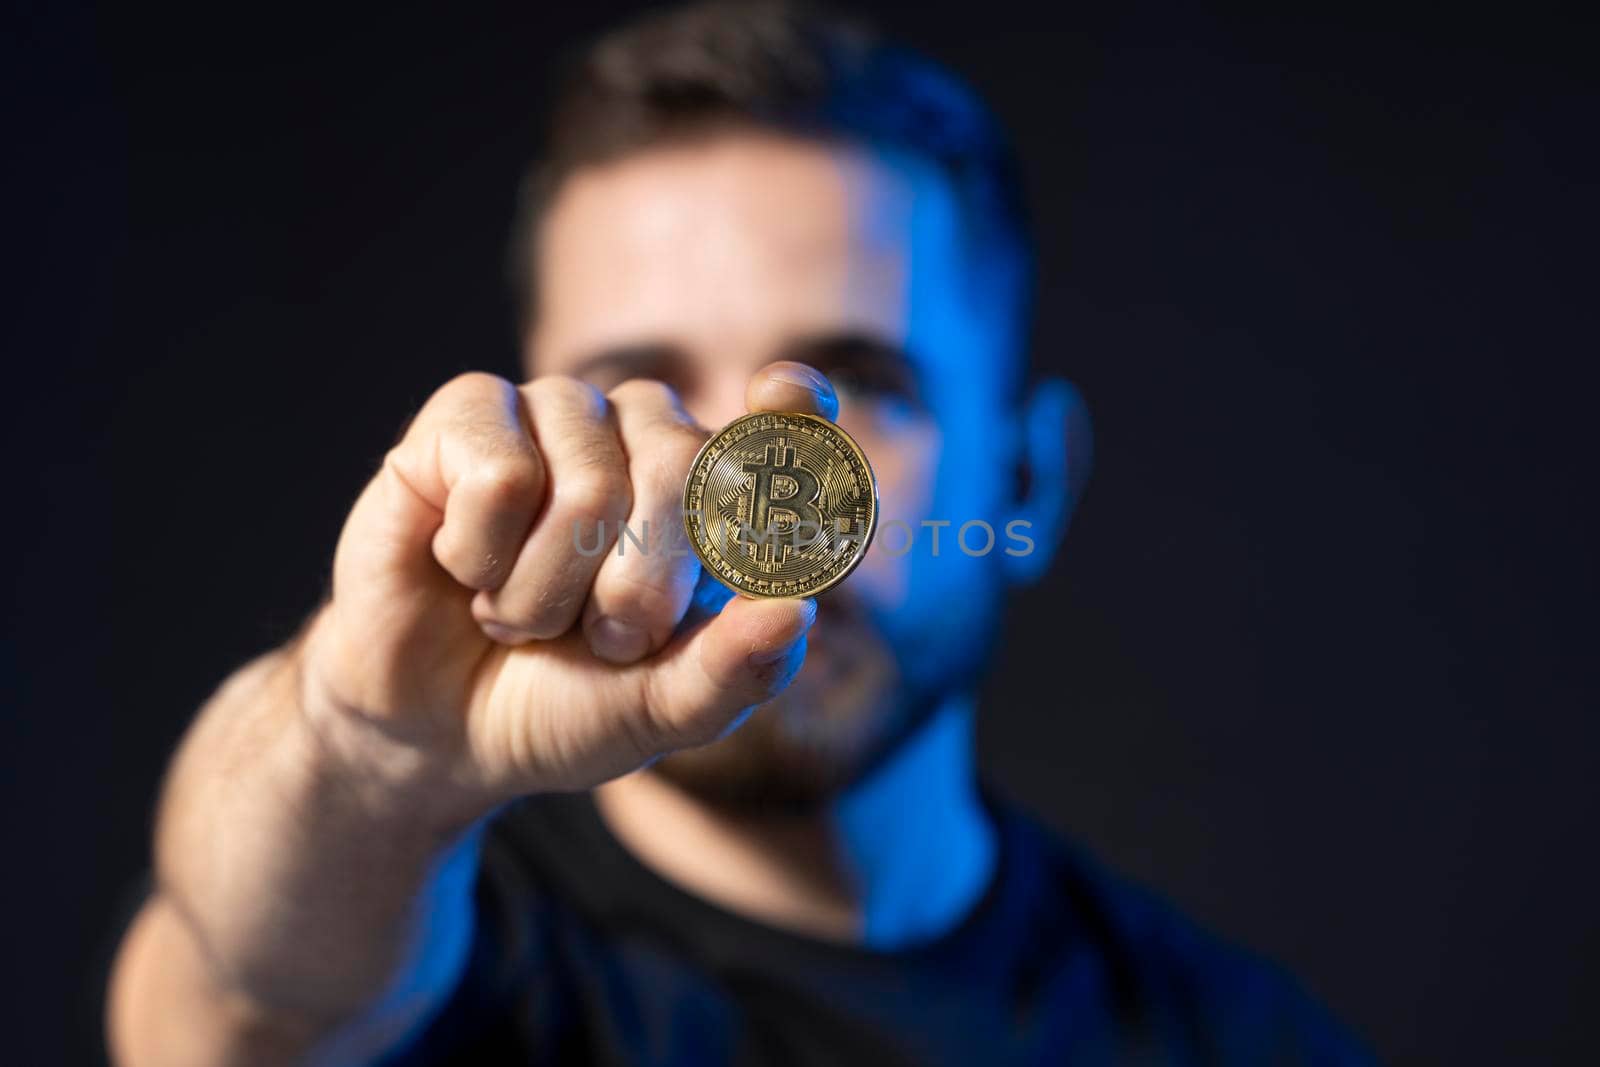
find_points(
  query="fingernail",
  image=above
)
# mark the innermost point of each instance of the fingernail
(807, 378)
(504, 634)
(617, 641)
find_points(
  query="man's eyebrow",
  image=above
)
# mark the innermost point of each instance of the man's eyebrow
(849, 344)
(873, 360)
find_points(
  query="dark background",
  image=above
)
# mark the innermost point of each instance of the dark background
(1317, 662)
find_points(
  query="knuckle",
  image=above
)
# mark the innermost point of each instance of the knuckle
(543, 613)
(549, 620)
(676, 453)
(644, 393)
(647, 597)
(569, 395)
(395, 460)
(702, 729)
(598, 491)
(508, 481)
(667, 725)
(472, 383)
(664, 459)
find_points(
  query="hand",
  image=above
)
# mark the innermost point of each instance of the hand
(471, 652)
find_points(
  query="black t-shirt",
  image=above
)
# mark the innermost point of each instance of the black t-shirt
(584, 956)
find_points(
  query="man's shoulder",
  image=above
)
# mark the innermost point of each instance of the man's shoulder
(1166, 971)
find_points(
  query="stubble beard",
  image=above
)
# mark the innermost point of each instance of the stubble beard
(849, 708)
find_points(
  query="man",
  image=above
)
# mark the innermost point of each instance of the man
(498, 802)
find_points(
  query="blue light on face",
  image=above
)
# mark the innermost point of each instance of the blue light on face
(958, 333)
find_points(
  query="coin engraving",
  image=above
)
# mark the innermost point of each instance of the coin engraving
(780, 504)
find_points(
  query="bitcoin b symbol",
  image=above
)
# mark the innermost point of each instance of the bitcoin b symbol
(786, 495)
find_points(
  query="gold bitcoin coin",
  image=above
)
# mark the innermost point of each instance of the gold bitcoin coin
(780, 504)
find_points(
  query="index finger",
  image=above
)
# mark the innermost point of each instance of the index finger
(790, 386)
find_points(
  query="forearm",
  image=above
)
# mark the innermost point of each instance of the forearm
(290, 894)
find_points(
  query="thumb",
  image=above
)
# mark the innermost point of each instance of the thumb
(697, 686)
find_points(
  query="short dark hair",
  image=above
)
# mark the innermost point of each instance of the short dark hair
(704, 68)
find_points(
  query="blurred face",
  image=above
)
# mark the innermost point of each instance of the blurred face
(697, 264)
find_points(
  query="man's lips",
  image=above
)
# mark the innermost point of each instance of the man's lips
(841, 640)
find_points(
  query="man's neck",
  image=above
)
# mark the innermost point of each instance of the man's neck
(898, 859)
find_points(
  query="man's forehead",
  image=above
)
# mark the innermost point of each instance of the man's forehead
(748, 239)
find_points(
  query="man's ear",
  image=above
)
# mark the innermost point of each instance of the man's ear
(1053, 454)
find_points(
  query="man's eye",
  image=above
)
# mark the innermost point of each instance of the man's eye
(870, 382)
